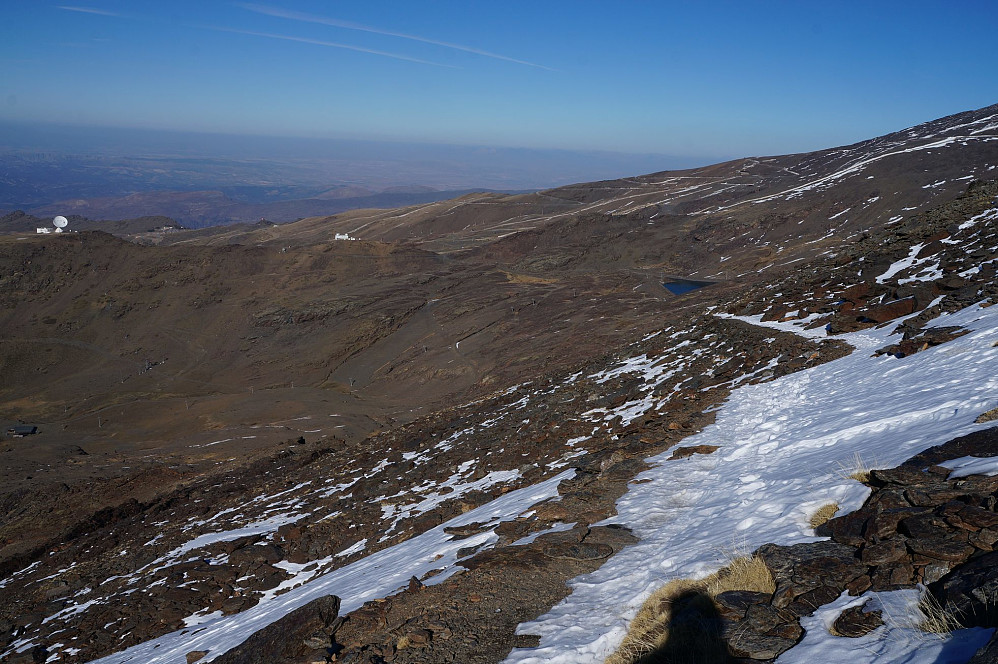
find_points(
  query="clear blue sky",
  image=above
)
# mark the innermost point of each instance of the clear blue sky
(698, 78)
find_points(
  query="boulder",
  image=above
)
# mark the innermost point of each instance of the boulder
(290, 638)
(733, 604)
(847, 529)
(855, 622)
(971, 591)
(764, 633)
(882, 313)
(813, 573)
(247, 555)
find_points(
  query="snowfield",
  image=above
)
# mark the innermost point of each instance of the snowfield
(786, 448)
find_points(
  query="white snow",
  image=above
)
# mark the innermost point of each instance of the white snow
(984, 216)
(782, 448)
(353, 548)
(450, 489)
(902, 264)
(796, 326)
(898, 640)
(263, 526)
(377, 575)
(965, 466)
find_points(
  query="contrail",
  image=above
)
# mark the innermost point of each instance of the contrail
(311, 18)
(319, 42)
(89, 10)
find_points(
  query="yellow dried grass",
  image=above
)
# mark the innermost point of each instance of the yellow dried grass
(823, 514)
(650, 628)
(858, 469)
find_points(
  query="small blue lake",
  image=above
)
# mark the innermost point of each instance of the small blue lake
(681, 286)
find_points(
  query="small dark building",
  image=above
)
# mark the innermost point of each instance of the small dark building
(21, 430)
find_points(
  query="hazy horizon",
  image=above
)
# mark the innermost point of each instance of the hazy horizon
(45, 164)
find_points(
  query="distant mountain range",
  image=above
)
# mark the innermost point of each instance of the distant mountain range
(207, 179)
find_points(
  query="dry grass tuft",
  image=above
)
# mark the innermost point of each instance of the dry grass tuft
(858, 469)
(988, 416)
(824, 513)
(650, 628)
(933, 616)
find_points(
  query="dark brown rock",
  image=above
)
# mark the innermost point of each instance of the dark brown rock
(743, 642)
(820, 568)
(925, 526)
(419, 637)
(855, 622)
(891, 310)
(846, 529)
(267, 553)
(881, 553)
(580, 551)
(318, 640)
(978, 517)
(883, 524)
(526, 640)
(733, 604)
(932, 496)
(942, 548)
(684, 452)
(984, 539)
(971, 591)
(889, 498)
(935, 571)
(900, 476)
(808, 602)
(983, 443)
(285, 639)
(892, 577)
(859, 585)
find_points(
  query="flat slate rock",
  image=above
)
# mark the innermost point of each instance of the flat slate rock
(855, 622)
(291, 637)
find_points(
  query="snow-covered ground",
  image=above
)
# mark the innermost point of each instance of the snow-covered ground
(377, 575)
(786, 448)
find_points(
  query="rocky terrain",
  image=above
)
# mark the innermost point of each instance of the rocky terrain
(405, 447)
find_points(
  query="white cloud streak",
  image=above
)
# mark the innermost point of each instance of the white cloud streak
(319, 42)
(89, 10)
(347, 25)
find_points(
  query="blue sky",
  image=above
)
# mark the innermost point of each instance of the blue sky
(713, 79)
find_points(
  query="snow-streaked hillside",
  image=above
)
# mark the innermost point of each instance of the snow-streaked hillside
(786, 448)
(730, 416)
